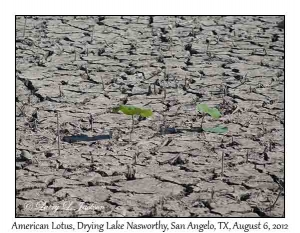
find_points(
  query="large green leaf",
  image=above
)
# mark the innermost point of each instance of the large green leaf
(132, 110)
(217, 129)
(213, 112)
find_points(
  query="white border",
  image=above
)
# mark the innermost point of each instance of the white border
(171, 7)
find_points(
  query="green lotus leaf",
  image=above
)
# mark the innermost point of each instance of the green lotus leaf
(146, 112)
(213, 112)
(217, 129)
(129, 110)
(132, 110)
(202, 108)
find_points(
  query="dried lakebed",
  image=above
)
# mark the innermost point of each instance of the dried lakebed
(85, 66)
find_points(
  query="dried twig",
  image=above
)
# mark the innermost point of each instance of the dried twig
(102, 83)
(22, 109)
(132, 126)
(186, 83)
(24, 29)
(222, 172)
(149, 91)
(208, 43)
(130, 174)
(244, 80)
(92, 36)
(212, 193)
(58, 135)
(274, 203)
(154, 89)
(60, 91)
(91, 120)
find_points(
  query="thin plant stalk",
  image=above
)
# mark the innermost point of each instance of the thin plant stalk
(154, 89)
(92, 37)
(102, 83)
(91, 120)
(202, 121)
(164, 124)
(274, 203)
(207, 48)
(58, 135)
(24, 29)
(132, 126)
(222, 172)
(212, 193)
(60, 91)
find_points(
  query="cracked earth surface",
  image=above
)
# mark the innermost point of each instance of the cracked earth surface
(84, 66)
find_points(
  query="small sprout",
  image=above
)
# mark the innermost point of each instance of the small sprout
(131, 111)
(214, 113)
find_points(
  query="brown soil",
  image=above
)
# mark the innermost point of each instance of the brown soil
(87, 65)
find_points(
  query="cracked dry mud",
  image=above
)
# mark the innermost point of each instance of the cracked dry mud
(84, 66)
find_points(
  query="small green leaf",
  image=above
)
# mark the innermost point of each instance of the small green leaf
(132, 110)
(217, 129)
(146, 112)
(213, 112)
(202, 108)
